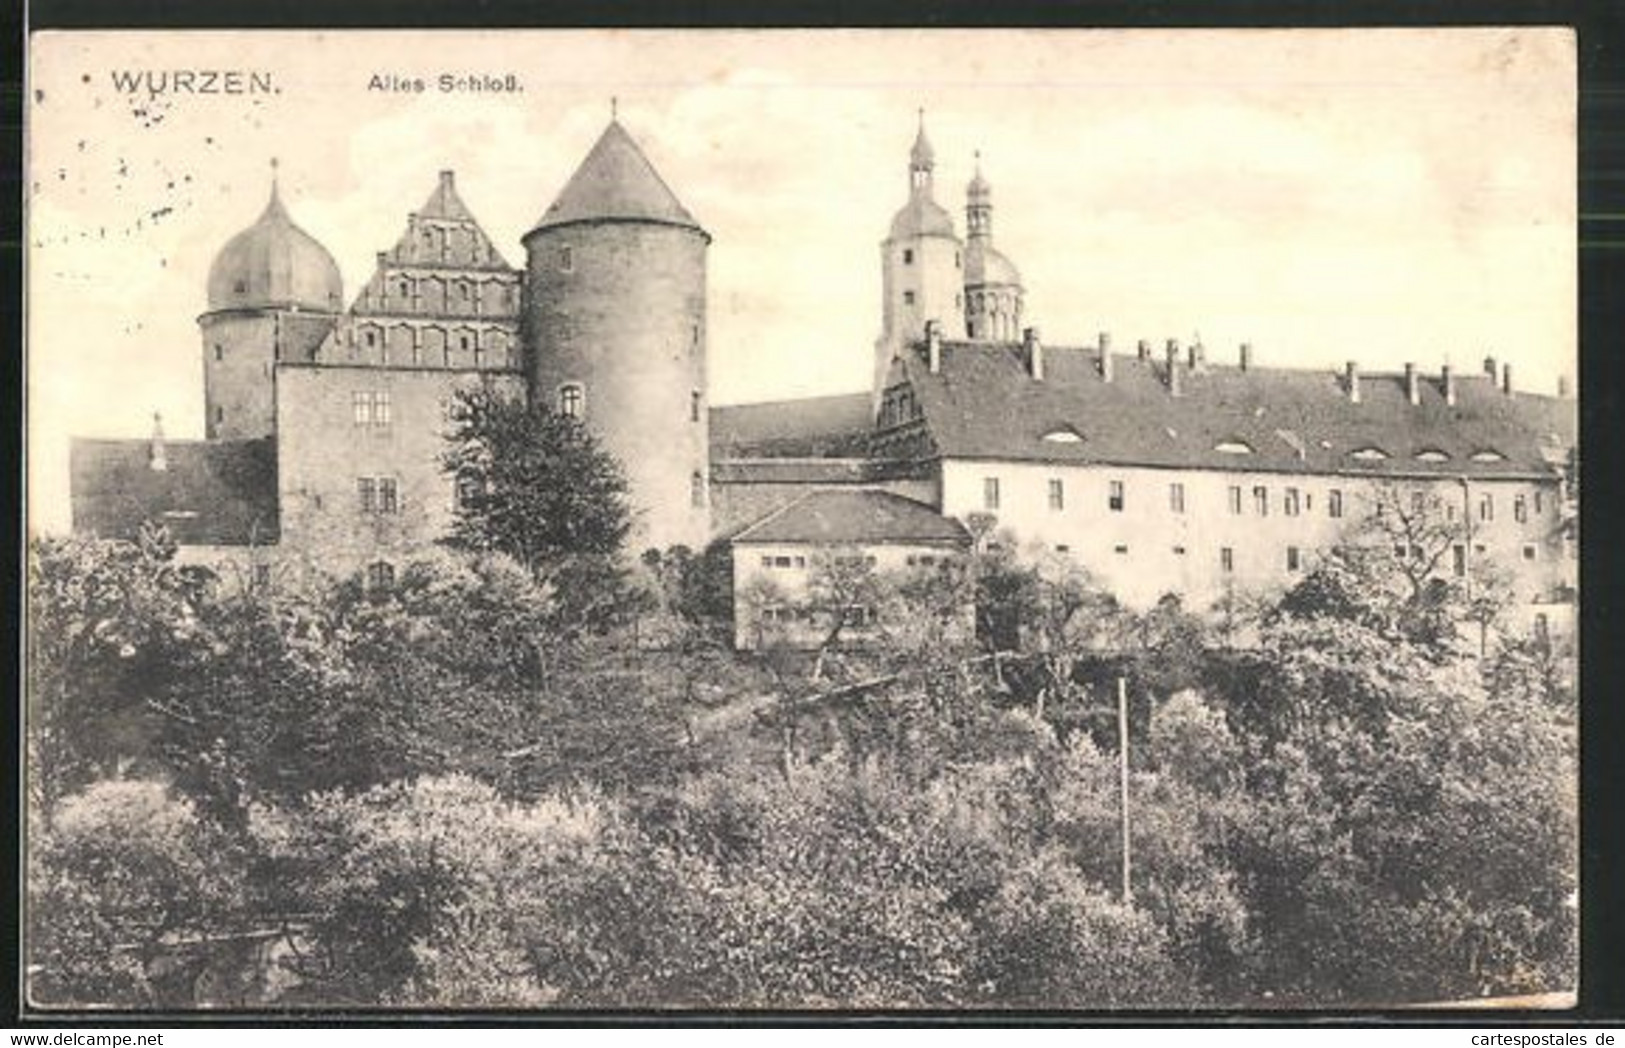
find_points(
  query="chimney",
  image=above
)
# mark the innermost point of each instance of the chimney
(1506, 379)
(1143, 350)
(1563, 387)
(933, 345)
(1034, 350)
(1351, 381)
(447, 179)
(1447, 378)
(1173, 367)
(1489, 367)
(1197, 356)
(1413, 389)
(1105, 356)
(157, 453)
(1246, 355)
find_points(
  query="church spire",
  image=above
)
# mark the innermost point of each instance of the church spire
(979, 204)
(921, 160)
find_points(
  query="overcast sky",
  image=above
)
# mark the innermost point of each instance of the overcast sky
(1386, 196)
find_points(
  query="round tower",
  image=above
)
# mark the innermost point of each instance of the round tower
(274, 292)
(920, 264)
(993, 292)
(613, 322)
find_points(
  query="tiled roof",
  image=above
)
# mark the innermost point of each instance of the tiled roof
(791, 471)
(855, 518)
(616, 181)
(817, 427)
(983, 404)
(212, 493)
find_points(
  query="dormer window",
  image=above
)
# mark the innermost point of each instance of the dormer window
(1064, 435)
(1233, 447)
(1488, 455)
(1431, 455)
(1369, 454)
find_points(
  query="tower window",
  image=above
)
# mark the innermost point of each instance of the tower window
(567, 259)
(240, 287)
(219, 414)
(572, 399)
(1114, 496)
(908, 298)
(908, 256)
(694, 406)
(219, 352)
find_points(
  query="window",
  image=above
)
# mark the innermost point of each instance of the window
(1176, 497)
(1120, 550)
(767, 562)
(781, 562)
(380, 575)
(1486, 507)
(1261, 500)
(1235, 498)
(696, 490)
(371, 338)
(567, 260)
(219, 414)
(1294, 562)
(1419, 502)
(1179, 551)
(378, 494)
(908, 256)
(241, 287)
(370, 407)
(694, 406)
(467, 490)
(1063, 548)
(990, 492)
(1227, 559)
(1114, 496)
(262, 575)
(1520, 509)
(908, 298)
(1057, 494)
(572, 397)
(1458, 561)
(858, 615)
(1290, 502)
(1539, 508)
(1528, 551)
(1334, 503)
(219, 352)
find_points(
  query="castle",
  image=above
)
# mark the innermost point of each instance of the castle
(1158, 471)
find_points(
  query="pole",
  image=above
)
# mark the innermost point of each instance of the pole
(1122, 780)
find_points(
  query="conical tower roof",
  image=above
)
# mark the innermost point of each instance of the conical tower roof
(616, 182)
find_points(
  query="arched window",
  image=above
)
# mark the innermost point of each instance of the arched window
(572, 400)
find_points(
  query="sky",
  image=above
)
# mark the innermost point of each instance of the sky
(1385, 196)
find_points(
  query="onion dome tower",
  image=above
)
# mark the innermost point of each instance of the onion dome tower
(920, 265)
(613, 323)
(993, 292)
(274, 293)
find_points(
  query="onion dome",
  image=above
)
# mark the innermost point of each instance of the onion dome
(979, 191)
(275, 264)
(921, 216)
(616, 183)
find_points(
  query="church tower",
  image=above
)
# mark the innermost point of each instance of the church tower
(613, 323)
(921, 266)
(274, 294)
(993, 292)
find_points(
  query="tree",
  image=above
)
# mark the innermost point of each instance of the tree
(532, 484)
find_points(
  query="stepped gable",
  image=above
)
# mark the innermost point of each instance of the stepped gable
(616, 183)
(856, 518)
(210, 493)
(983, 404)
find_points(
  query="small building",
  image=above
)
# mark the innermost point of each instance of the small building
(808, 570)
